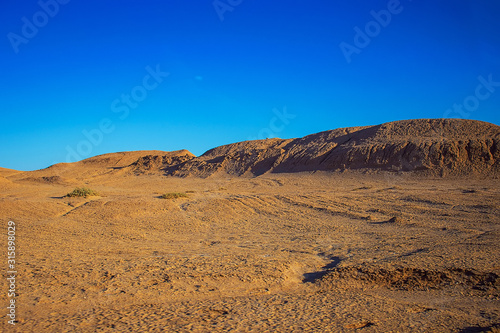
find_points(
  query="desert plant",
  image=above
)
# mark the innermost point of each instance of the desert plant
(174, 195)
(82, 192)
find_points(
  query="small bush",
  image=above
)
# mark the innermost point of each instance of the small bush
(174, 195)
(82, 192)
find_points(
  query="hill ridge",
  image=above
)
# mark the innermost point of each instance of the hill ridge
(426, 146)
(432, 146)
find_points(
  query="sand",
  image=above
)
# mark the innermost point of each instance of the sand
(318, 252)
(252, 248)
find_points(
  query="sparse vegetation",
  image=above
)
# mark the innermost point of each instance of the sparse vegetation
(190, 191)
(363, 188)
(174, 195)
(82, 192)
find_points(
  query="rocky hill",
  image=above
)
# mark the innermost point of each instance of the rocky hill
(431, 146)
(439, 147)
(103, 166)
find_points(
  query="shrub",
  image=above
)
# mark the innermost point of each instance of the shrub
(174, 195)
(82, 192)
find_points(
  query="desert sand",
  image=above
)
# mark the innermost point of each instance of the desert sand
(389, 228)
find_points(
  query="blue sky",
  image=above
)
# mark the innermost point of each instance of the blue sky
(199, 74)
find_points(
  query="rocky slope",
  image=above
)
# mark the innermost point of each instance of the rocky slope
(103, 166)
(432, 146)
(426, 146)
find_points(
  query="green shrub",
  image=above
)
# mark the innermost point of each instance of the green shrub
(82, 192)
(174, 195)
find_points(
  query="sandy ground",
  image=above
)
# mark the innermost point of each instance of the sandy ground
(319, 252)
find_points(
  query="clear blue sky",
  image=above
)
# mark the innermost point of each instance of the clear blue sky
(232, 71)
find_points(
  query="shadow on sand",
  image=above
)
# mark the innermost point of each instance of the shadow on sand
(314, 276)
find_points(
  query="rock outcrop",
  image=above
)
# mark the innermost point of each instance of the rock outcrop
(438, 147)
(430, 146)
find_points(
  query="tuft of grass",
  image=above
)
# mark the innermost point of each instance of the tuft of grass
(82, 192)
(174, 195)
